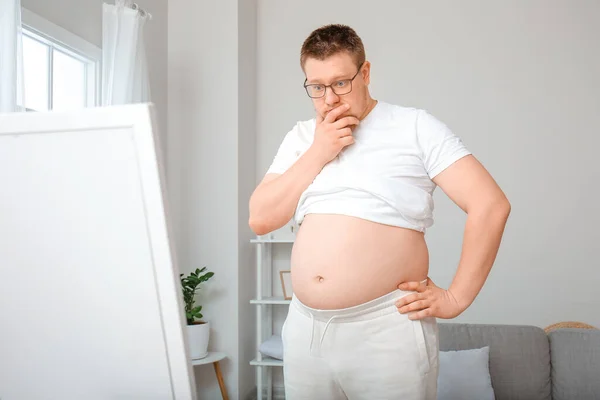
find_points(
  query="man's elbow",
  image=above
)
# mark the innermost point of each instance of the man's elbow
(497, 208)
(508, 208)
(500, 208)
(504, 207)
(259, 226)
(255, 221)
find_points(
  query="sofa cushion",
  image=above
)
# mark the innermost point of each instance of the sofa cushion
(465, 374)
(519, 356)
(575, 363)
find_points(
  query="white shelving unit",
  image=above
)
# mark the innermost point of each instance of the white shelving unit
(265, 301)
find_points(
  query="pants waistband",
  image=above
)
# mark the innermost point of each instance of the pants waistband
(372, 309)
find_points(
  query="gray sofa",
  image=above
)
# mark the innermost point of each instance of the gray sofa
(528, 364)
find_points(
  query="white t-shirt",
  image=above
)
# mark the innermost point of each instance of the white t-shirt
(386, 175)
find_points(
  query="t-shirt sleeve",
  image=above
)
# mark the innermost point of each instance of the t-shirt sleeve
(440, 146)
(287, 154)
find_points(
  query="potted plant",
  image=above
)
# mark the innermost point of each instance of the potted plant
(197, 330)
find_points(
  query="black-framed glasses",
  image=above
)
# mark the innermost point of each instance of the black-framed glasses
(343, 86)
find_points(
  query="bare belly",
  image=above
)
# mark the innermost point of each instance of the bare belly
(340, 261)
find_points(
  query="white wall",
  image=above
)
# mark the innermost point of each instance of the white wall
(212, 170)
(518, 81)
(247, 35)
(84, 19)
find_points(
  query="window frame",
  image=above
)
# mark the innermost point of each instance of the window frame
(60, 39)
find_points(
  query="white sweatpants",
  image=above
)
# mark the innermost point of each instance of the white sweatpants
(366, 352)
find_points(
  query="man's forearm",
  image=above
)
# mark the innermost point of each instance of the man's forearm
(273, 204)
(483, 234)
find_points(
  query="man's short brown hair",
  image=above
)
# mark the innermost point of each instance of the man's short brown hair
(332, 39)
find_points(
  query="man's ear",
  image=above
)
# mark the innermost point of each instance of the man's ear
(366, 72)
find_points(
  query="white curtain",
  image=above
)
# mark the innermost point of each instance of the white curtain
(124, 66)
(11, 57)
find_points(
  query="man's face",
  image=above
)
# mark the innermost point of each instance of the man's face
(332, 70)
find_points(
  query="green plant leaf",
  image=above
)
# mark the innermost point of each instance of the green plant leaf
(189, 285)
(206, 276)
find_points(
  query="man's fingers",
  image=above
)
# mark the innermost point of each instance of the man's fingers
(412, 286)
(346, 121)
(409, 299)
(344, 132)
(347, 140)
(428, 312)
(414, 306)
(336, 112)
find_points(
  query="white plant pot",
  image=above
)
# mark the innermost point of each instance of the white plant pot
(198, 335)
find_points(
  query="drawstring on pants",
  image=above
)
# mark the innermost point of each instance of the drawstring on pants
(312, 334)
(325, 330)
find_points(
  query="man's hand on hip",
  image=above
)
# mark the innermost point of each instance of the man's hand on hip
(428, 301)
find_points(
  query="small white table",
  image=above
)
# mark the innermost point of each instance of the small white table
(214, 358)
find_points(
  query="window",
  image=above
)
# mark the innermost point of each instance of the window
(61, 70)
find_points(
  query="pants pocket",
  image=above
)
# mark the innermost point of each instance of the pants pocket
(291, 319)
(421, 344)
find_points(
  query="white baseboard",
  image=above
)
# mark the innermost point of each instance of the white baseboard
(278, 393)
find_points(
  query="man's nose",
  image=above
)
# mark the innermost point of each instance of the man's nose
(330, 97)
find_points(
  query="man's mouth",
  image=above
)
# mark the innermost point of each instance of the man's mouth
(346, 114)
